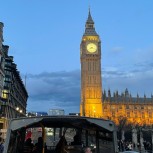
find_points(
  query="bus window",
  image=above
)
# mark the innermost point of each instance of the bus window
(106, 142)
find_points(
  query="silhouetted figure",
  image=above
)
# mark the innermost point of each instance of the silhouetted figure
(28, 146)
(60, 147)
(38, 146)
(76, 140)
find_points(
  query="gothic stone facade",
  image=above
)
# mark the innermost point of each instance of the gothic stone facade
(137, 110)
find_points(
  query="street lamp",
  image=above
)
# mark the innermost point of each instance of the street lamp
(94, 113)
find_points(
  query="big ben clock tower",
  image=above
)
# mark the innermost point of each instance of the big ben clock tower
(91, 84)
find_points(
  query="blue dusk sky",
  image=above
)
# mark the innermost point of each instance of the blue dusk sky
(44, 37)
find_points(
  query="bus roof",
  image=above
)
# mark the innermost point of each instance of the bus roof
(63, 121)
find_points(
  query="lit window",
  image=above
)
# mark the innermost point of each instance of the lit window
(128, 114)
(127, 107)
(143, 115)
(142, 107)
(5, 94)
(105, 107)
(136, 115)
(150, 114)
(149, 107)
(113, 114)
(113, 107)
(120, 107)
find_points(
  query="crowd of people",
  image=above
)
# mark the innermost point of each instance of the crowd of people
(38, 147)
(29, 147)
(128, 146)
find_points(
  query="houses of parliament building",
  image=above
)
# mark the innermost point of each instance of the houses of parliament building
(101, 104)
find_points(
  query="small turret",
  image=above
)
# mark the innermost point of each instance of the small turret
(109, 93)
(104, 94)
(137, 96)
(144, 96)
(117, 93)
(126, 93)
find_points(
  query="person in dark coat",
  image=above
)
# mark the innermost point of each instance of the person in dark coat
(28, 146)
(38, 146)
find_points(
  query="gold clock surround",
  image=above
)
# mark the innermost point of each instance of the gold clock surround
(91, 47)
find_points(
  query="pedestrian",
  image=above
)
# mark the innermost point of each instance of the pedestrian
(87, 150)
(60, 147)
(130, 146)
(28, 146)
(1, 145)
(38, 146)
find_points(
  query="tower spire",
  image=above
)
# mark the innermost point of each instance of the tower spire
(90, 20)
(89, 27)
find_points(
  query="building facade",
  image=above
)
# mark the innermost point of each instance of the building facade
(30, 114)
(137, 110)
(1, 72)
(1, 59)
(56, 112)
(13, 94)
(94, 102)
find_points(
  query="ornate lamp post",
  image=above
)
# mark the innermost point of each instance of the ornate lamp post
(134, 137)
(141, 139)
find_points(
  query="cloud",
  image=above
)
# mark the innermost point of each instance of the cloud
(137, 78)
(57, 89)
(62, 89)
(117, 49)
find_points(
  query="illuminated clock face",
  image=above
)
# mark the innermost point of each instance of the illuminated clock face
(91, 47)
